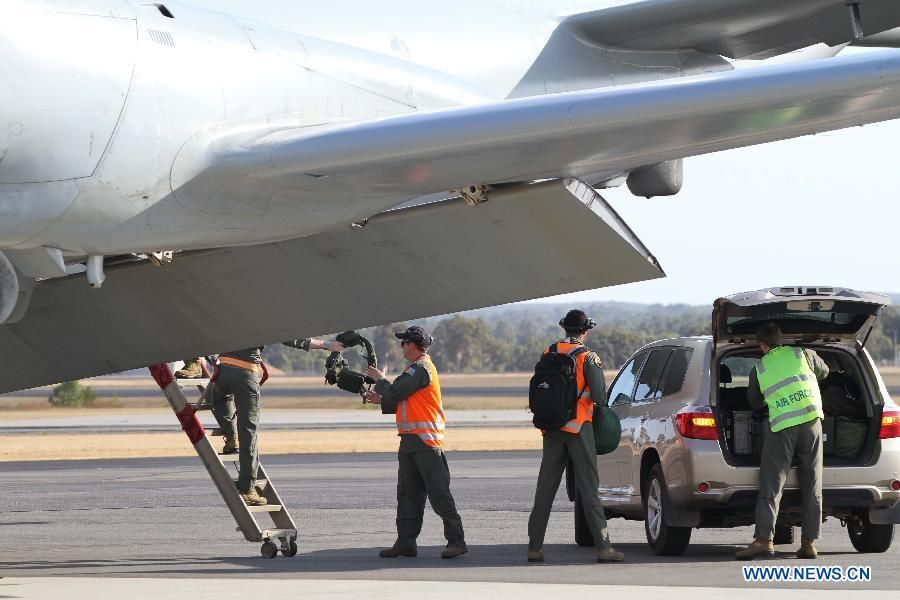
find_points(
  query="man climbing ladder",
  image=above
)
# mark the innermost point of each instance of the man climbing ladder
(282, 533)
(235, 394)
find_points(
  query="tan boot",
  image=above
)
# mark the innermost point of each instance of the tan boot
(609, 554)
(252, 498)
(756, 549)
(807, 549)
(231, 445)
(535, 556)
(191, 370)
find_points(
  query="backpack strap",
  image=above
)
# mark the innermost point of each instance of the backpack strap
(554, 349)
(575, 354)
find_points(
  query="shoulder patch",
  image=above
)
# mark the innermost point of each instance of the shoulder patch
(410, 371)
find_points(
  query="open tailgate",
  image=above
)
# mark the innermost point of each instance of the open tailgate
(805, 314)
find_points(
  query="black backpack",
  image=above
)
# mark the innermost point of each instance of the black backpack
(553, 391)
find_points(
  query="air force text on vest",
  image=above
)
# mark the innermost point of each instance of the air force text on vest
(795, 397)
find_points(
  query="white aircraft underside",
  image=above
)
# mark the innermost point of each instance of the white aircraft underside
(225, 129)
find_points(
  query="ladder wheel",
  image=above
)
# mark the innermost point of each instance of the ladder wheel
(290, 549)
(268, 550)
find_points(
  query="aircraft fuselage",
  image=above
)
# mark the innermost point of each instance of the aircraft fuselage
(99, 106)
(104, 98)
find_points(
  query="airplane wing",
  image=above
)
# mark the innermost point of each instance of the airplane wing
(374, 165)
(753, 29)
(220, 299)
(528, 241)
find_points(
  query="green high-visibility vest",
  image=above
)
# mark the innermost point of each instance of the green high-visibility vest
(789, 387)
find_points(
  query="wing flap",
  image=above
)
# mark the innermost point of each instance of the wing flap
(737, 28)
(527, 241)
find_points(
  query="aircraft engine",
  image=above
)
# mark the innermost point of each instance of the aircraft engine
(9, 288)
(662, 179)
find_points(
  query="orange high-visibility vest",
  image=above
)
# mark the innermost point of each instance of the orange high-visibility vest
(585, 411)
(422, 413)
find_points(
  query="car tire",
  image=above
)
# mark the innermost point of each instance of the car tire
(583, 535)
(664, 539)
(867, 537)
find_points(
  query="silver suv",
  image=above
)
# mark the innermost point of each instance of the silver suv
(690, 448)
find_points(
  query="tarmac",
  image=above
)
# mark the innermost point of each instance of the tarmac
(151, 528)
(156, 527)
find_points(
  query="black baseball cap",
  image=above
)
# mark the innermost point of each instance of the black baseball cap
(417, 335)
(576, 319)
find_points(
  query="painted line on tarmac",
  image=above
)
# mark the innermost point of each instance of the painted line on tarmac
(90, 588)
(159, 428)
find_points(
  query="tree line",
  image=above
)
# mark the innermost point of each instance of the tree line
(511, 338)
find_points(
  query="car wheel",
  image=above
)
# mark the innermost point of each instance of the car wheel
(867, 537)
(665, 540)
(583, 535)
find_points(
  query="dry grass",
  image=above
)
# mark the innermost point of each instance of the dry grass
(152, 445)
(277, 395)
(891, 376)
(134, 445)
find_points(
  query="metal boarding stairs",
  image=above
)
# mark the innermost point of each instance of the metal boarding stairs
(282, 536)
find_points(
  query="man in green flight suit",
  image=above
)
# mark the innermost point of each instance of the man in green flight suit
(415, 399)
(573, 444)
(786, 381)
(236, 393)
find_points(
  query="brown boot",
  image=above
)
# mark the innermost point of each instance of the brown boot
(231, 445)
(453, 551)
(756, 549)
(252, 498)
(807, 549)
(191, 370)
(535, 556)
(609, 554)
(395, 551)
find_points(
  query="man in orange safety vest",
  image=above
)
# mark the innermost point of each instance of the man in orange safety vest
(415, 398)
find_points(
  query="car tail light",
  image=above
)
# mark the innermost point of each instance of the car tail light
(890, 423)
(703, 487)
(696, 425)
(895, 485)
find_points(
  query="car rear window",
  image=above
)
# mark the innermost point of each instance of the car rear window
(676, 371)
(648, 382)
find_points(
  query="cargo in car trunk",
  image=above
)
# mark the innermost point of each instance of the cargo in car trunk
(849, 429)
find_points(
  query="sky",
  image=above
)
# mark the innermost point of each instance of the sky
(818, 210)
